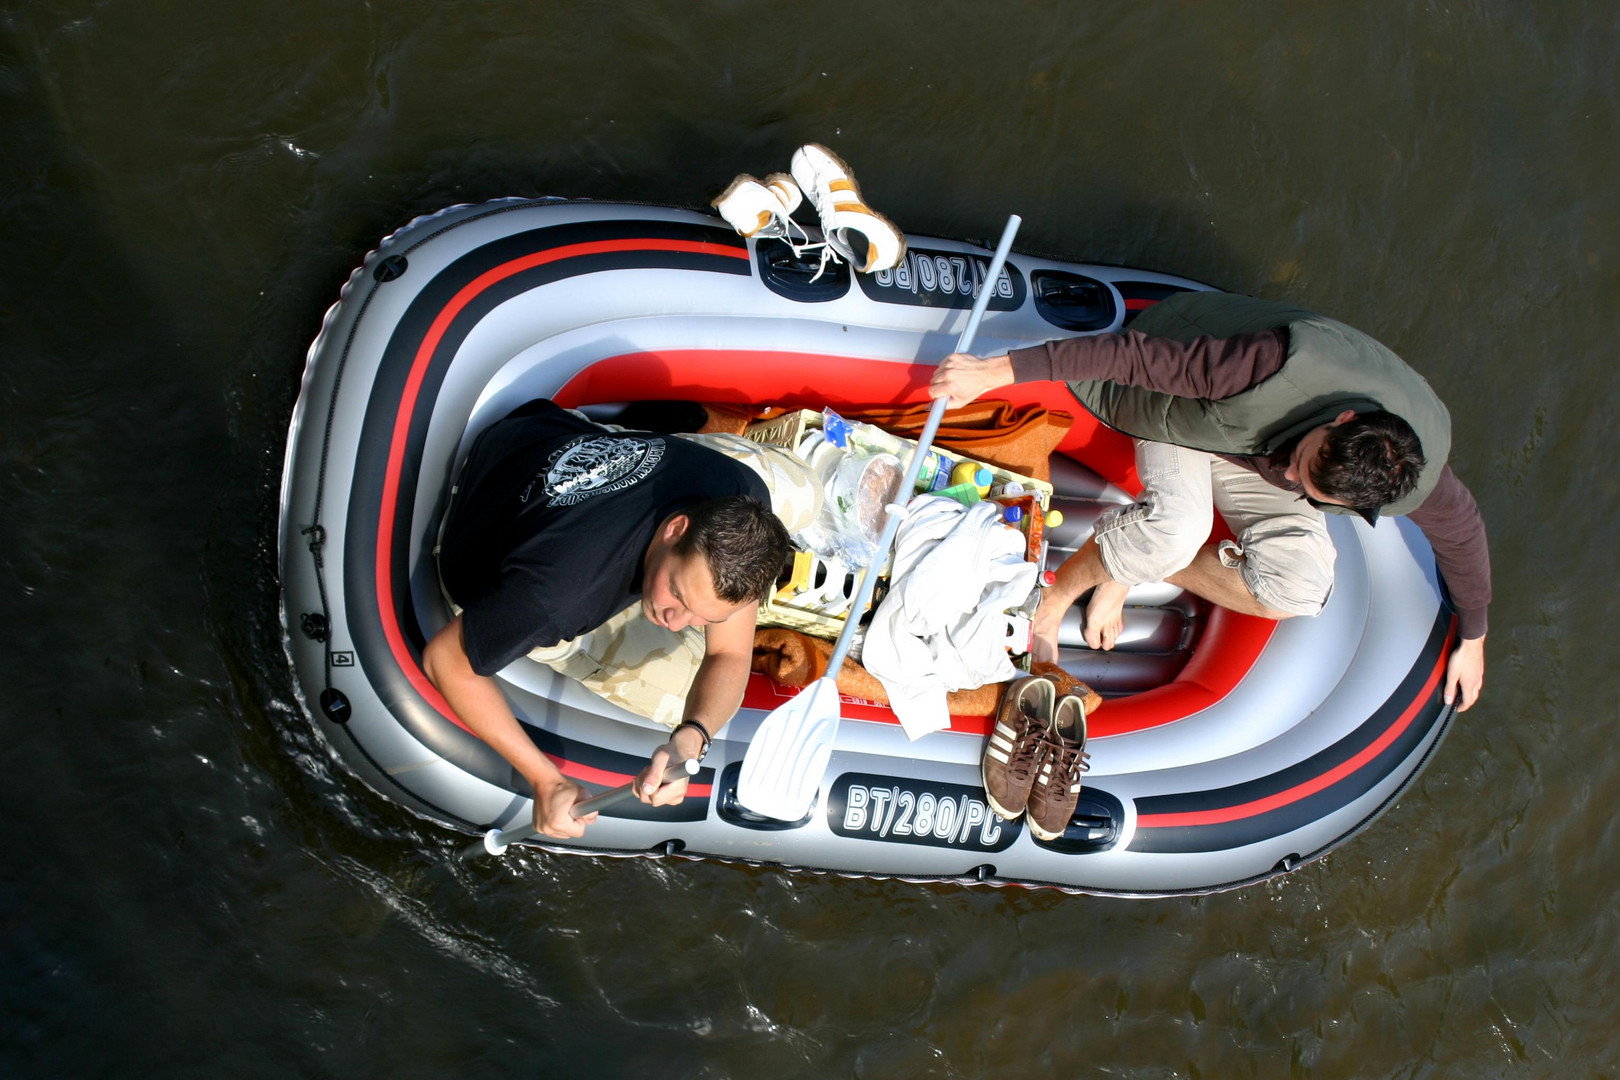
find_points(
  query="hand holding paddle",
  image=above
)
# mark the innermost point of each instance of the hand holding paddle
(661, 783)
(495, 842)
(960, 377)
(557, 812)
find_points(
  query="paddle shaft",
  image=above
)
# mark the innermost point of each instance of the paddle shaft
(495, 841)
(863, 593)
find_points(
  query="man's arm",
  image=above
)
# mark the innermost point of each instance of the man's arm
(1206, 367)
(478, 702)
(1451, 520)
(716, 694)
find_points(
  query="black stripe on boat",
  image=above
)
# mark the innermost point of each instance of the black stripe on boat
(1141, 295)
(565, 752)
(364, 614)
(1240, 825)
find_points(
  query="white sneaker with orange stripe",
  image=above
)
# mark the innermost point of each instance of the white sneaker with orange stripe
(762, 208)
(845, 220)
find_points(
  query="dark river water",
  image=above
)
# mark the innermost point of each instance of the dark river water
(193, 887)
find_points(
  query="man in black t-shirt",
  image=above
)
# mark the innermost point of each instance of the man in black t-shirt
(557, 525)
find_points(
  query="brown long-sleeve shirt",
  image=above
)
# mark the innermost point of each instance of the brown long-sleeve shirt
(1217, 368)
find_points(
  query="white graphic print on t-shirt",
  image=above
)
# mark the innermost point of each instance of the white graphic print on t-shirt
(595, 464)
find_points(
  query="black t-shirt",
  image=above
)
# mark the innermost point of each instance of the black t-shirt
(551, 522)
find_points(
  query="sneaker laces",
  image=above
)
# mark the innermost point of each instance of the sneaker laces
(783, 228)
(803, 245)
(1026, 752)
(829, 257)
(1068, 761)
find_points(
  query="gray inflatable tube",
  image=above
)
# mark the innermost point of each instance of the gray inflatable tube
(1230, 749)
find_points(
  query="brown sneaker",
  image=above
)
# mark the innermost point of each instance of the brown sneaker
(1056, 790)
(1011, 756)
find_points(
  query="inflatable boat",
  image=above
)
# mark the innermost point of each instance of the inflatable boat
(1229, 748)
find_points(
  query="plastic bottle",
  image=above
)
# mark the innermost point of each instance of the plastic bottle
(1030, 519)
(935, 474)
(969, 472)
(835, 428)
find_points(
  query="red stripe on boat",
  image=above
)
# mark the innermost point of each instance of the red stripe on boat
(590, 775)
(407, 405)
(1310, 787)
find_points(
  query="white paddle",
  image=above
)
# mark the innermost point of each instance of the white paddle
(782, 768)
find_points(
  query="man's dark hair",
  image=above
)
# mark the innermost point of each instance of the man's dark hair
(744, 544)
(1369, 461)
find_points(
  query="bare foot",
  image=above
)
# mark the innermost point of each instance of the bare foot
(1105, 614)
(1044, 628)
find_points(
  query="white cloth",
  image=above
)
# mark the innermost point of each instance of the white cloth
(943, 626)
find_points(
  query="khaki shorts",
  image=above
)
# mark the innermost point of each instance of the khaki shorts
(1283, 550)
(634, 663)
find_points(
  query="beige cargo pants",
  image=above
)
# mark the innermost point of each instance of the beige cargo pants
(1283, 550)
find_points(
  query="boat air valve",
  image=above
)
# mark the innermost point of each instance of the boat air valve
(335, 705)
(316, 626)
(390, 268)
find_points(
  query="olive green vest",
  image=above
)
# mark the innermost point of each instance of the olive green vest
(1330, 368)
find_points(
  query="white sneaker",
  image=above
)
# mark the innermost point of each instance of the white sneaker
(830, 187)
(786, 191)
(761, 208)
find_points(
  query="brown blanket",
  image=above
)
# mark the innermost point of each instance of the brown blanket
(1020, 439)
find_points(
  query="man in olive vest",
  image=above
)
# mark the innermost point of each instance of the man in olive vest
(1271, 415)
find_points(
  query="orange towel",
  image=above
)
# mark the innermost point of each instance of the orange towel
(1017, 438)
(734, 419)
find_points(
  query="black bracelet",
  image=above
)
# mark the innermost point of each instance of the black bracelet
(701, 730)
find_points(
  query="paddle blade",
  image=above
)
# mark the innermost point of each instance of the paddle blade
(783, 766)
